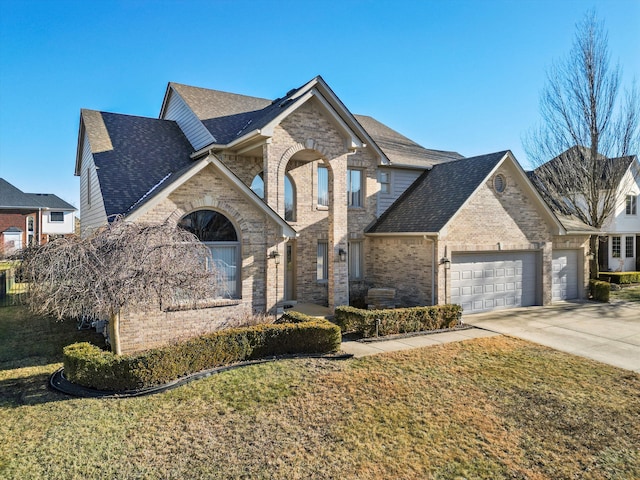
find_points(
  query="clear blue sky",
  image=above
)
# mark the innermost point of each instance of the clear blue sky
(453, 75)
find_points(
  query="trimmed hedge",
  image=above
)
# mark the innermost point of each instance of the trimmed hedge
(397, 320)
(599, 290)
(621, 278)
(89, 366)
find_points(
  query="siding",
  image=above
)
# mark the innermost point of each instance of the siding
(188, 122)
(91, 215)
(401, 179)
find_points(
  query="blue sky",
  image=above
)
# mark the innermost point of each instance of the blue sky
(452, 75)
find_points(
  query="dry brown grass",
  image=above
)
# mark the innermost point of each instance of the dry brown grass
(489, 408)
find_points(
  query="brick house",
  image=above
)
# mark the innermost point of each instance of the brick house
(344, 201)
(31, 218)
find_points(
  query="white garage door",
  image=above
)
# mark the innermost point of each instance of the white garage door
(486, 281)
(565, 275)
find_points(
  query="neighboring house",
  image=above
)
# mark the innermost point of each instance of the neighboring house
(619, 237)
(346, 202)
(31, 218)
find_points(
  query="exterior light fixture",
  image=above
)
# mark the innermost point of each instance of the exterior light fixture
(343, 255)
(274, 255)
(445, 261)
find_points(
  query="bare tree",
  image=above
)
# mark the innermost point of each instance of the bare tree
(588, 134)
(121, 265)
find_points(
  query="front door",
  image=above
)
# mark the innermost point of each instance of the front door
(290, 275)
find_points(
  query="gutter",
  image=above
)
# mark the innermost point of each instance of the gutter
(402, 234)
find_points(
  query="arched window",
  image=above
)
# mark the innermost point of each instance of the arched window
(257, 185)
(218, 233)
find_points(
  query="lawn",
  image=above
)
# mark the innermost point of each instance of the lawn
(628, 294)
(495, 408)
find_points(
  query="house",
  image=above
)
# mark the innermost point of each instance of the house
(31, 218)
(619, 185)
(620, 236)
(344, 201)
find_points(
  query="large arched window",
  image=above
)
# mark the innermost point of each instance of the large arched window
(218, 233)
(257, 185)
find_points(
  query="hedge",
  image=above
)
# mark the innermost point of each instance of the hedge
(89, 366)
(599, 290)
(621, 278)
(398, 320)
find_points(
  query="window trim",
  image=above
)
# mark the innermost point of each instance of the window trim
(359, 257)
(51, 220)
(631, 205)
(629, 246)
(360, 192)
(320, 201)
(616, 247)
(322, 276)
(224, 243)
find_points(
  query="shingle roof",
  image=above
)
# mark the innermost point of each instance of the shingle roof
(145, 151)
(228, 116)
(13, 197)
(432, 200)
(401, 150)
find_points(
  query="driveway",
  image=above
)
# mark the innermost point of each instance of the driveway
(608, 333)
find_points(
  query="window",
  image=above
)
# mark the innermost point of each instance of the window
(323, 186)
(628, 247)
(289, 199)
(615, 247)
(355, 260)
(56, 216)
(218, 233)
(499, 183)
(322, 268)
(354, 188)
(632, 205)
(385, 182)
(257, 185)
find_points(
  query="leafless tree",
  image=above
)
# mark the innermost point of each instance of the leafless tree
(121, 265)
(588, 135)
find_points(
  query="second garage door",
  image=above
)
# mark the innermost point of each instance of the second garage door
(487, 281)
(565, 275)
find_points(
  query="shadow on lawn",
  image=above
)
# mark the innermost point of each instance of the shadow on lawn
(30, 390)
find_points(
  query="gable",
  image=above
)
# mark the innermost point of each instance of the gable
(512, 216)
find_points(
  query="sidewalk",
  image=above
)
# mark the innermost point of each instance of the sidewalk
(362, 349)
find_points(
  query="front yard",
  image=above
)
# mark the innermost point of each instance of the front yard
(490, 408)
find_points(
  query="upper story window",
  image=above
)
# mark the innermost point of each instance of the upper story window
(218, 233)
(631, 205)
(354, 188)
(257, 185)
(385, 182)
(56, 216)
(323, 186)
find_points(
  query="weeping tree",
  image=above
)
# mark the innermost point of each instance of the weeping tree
(122, 265)
(588, 134)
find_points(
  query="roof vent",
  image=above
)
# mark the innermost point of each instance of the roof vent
(499, 183)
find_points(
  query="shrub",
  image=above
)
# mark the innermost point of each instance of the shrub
(399, 320)
(599, 290)
(91, 367)
(621, 278)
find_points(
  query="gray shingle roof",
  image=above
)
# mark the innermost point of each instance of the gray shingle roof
(144, 152)
(13, 197)
(228, 116)
(401, 150)
(432, 200)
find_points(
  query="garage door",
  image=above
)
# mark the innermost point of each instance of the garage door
(486, 281)
(565, 275)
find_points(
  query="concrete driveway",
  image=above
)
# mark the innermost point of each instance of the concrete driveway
(608, 333)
